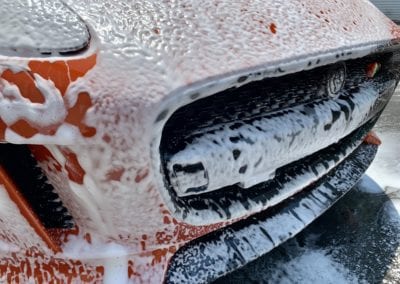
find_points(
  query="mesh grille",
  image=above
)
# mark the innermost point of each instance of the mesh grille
(33, 185)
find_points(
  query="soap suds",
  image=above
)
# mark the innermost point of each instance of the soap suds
(32, 27)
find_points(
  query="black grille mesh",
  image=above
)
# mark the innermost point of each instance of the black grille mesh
(33, 185)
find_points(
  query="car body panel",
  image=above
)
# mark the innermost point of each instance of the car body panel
(110, 102)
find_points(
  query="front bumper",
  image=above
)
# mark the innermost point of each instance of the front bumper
(223, 251)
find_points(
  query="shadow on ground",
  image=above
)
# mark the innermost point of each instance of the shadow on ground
(355, 241)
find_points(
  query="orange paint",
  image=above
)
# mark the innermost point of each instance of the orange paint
(60, 236)
(166, 220)
(163, 238)
(88, 238)
(26, 210)
(172, 249)
(141, 175)
(28, 130)
(3, 128)
(56, 71)
(62, 73)
(26, 85)
(41, 154)
(143, 245)
(131, 270)
(78, 68)
(272, 28)
(75, 172)
(44, 269)
(106, 138)
(184, 232)
(23, 128)
(372, 139)
(76, 114)
(372, 69)
(159, 255)
(115, 174)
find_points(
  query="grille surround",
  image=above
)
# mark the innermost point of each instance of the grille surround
(214, 211)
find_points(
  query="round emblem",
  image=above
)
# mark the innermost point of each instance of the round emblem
(335, 79)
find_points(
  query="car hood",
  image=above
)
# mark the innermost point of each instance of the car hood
(145, 56)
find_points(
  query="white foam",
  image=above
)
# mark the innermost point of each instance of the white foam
(27, 26)
(14, 106)
(15, 228)
(304, 133)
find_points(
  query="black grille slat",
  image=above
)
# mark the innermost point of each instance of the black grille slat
(34, 186)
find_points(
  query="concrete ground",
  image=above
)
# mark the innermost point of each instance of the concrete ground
(357, 240)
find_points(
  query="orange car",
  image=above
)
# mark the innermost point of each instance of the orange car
(176, 141)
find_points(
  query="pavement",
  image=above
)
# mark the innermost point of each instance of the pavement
(355, 241)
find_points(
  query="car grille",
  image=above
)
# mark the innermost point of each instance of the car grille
(237, 147)
(33, 185)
